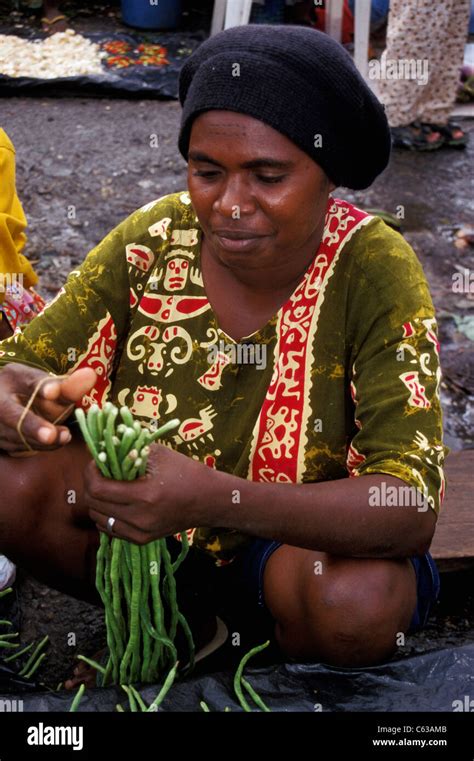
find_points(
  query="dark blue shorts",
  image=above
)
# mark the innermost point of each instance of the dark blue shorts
(241, 583)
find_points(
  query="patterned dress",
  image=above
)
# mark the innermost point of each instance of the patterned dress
(342, 381)
(426, 34)
(19, 302)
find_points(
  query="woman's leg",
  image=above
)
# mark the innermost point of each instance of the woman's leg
(449, 46)
(342, 611)
(44, 527)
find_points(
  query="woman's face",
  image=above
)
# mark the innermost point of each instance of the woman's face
(260, 200)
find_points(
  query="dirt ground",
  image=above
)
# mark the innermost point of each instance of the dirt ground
(85, 164)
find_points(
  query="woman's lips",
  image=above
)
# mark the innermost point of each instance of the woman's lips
(238, 244)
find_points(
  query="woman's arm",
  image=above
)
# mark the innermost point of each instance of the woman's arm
(370, 516)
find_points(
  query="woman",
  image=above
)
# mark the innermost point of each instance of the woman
(334, 313)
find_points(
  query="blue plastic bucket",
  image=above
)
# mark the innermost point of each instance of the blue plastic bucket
(152, 14)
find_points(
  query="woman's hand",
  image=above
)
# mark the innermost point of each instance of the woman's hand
(53, 401)
(172, 497)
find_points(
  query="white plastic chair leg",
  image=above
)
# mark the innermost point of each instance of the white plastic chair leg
(218, 16)
(237, 13)
(361, 35)
(334, 10)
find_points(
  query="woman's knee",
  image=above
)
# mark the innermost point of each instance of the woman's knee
(346, 611)
(367, 604)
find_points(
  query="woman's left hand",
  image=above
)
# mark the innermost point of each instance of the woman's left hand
(167, 500)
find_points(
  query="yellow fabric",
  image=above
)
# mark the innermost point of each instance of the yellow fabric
(12, 220)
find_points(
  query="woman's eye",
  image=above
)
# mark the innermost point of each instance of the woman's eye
(209, 175)
(205, 174)
(266, 178)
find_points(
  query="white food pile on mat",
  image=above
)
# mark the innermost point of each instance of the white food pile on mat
(64, 54)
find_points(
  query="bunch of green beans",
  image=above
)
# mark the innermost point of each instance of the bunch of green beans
(133, 579)
(120, 450)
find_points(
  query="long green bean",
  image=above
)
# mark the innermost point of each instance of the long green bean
(115, 579)
(131, 698)
(34, 655)
(238, 675)
(171, 585)
(109, 445)
(19, 653)
(81, 419)
(255, 696)
(138, 698)
(183, 552)
(91, 662)
(77, 699)
(35, 666)
(133, 642)
(92, 422)
(164, 690)
(145, 667)
(166, 428)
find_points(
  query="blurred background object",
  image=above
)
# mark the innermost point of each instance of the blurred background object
(143, 14)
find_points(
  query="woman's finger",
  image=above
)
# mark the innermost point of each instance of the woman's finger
(70, 389)
(37, 431)
(100, 490)
(122, 530)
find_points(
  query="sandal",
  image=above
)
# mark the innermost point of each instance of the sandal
(451, 133)
(417, 137)
(48, 23)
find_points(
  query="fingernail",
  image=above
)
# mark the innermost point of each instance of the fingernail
(44, 435)
(48, 387)
(64, 437)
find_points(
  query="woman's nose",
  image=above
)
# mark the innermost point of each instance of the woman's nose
(234, 199)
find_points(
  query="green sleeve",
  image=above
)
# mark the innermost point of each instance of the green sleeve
(94, 299)
(88, 321)
(395, 371)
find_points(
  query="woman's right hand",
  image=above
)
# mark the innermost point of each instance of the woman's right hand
(53, 402)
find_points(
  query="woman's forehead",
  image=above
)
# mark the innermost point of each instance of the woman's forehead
(228, 120)
(221, 126)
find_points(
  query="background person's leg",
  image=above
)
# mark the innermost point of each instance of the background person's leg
(53, 19)
(446, 59)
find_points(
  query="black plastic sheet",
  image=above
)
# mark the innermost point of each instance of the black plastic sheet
(135, 80)
(430, 682)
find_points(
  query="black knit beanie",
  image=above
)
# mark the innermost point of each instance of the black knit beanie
(298, 81)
